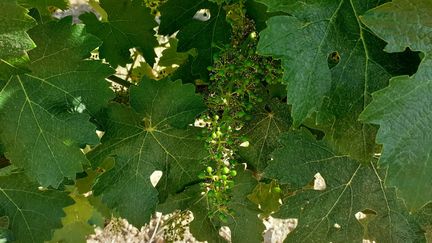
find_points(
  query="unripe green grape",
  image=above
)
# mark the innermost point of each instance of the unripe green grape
(233, 173)
(277, 189)
(225, 170)
(209, 169)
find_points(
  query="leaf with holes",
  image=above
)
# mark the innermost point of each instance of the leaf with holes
(32, 213)
(130, 25)
(152, 134)
(354, 204)
(332, 64)
(202, 25)
(403, 109)
(45, 113)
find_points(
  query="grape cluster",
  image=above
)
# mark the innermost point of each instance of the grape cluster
(237, 84)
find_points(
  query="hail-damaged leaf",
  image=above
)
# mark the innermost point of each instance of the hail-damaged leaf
(45, 113)
(14, 22)
(201, 24)
(245, 226)
(263, 133)
(32, 213)
(355, 205)
(130, 25)
(332, 64)
(403, 108)
(152, 134)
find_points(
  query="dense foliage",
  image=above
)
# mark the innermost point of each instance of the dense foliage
(313, 110)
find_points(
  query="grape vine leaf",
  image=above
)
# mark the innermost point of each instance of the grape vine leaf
(263, 133)
(330, 214)
(332, 65)
(424, 218)
(152, 134)
(75, 224)
(170, 55)
(403, 108)
(202, 227)
(14, 22)
(45, 113)
(130, 25)
(385, 21)
(205, 31)
(403, 112)
(245, 225)
(44, 7)
(33, 213)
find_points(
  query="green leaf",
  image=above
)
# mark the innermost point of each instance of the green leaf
(402, 109)
(329, 214)
(263, 134)
(267, 197)
(412, 32)
(130, 24)
(33, 213)
(170, 55)
(45, 7)
(14, 22)
(424, 218)
(153, 134)
(244, 224)
(75, 224)
(45, 113)
(202, 227)
(205, 32)
(332, 64)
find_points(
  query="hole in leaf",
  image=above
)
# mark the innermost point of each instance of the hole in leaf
(202, 15)
(319, 183)
(333, 59)
(365, 214)
(155, 177)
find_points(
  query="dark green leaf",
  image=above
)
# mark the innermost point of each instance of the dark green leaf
(130, 24)
(263, 134)
(33, 213)
(329, 214)
(204, 31)
(332, 64)
(403, 109)
(151, 135)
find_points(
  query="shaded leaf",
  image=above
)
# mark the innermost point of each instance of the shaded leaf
(263, 134)
(45, 7)
(130, 24)
(205, 31)
(244, 224)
